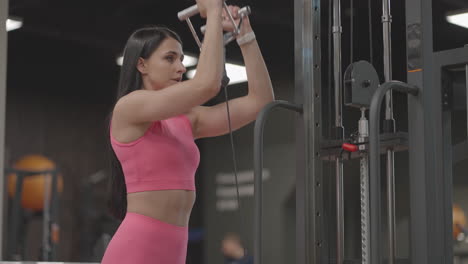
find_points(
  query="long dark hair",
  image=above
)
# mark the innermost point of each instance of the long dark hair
(141, 44)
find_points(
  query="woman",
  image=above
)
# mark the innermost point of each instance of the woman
(153, 126)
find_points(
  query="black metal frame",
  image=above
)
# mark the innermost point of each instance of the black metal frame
(49, 216)
(429, 141)
(444, 60)
(430, 150)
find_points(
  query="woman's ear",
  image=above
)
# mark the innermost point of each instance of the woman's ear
(141, 65)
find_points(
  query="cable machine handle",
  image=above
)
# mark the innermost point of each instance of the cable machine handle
(188, 13)
(258, 170)
(375, 254)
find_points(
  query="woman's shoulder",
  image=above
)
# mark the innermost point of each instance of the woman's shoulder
(128, 97)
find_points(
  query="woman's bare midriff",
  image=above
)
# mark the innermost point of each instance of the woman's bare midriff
(170, 206)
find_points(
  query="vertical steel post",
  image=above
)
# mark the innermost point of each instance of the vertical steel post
(427, 184)
(389, 128)
(311, 242)
(3, 71)
(337, 30)
(466, 85)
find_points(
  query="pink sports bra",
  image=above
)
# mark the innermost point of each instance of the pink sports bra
(164, 158)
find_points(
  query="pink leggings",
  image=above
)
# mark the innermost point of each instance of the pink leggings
(143, 239)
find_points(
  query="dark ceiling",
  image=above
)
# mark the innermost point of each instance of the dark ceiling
(104, 25)
(76, 35)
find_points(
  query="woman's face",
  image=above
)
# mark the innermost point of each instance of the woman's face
(164, 67)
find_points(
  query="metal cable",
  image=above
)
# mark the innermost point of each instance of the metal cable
(233, 152)
(351, 36)
(371, 46)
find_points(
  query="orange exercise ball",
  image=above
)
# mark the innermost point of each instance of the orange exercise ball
(33, 185)
(459, 220)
